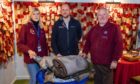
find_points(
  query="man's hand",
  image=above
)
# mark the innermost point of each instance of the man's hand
(113, 65)
(83, 55)
(32, 54)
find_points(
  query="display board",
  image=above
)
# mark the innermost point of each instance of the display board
(125, 15)
(6, 32)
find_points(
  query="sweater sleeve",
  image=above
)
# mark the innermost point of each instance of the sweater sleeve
(21, 43)
(87, 45)
(118, 48)
(54, 39)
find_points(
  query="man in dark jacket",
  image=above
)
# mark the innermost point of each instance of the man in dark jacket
(66, 34)
(104, 42)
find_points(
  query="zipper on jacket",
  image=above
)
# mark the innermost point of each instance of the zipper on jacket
(68, 40)
(67, 37)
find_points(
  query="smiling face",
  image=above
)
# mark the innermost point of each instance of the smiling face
(102, 16)
(65, 11)
(35, 16)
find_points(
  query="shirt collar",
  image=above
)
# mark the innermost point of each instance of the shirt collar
(106, 25)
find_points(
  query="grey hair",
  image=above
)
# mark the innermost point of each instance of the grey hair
(103, 8)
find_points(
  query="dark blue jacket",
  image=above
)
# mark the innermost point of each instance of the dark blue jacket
(65, 40)
(139, 34)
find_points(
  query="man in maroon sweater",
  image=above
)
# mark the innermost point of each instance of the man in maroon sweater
(104, 42)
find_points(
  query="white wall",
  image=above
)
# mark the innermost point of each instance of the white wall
(129, 1)
(8, 75)
(21, 70)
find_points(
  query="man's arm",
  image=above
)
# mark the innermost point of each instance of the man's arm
(79, 31)
(118, 48)
(87, 44)
(54, 39)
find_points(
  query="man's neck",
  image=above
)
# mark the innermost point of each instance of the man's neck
(101, 25)
(66, 19)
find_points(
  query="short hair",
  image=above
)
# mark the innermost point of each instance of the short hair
(103, 8)
(65, 4)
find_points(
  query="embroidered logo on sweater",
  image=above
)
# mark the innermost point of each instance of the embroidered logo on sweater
(105, 32)
(105, 35)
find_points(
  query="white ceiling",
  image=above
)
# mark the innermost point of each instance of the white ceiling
(101, 1)
(95, 1)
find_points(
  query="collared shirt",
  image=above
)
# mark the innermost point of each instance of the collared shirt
(66, 21)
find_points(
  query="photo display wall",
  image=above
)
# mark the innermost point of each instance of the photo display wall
(125, 15)
(6, 32)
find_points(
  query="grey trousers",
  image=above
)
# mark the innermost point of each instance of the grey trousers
(103, 75)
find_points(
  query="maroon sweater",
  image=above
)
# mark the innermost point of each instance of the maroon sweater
(28, 40)
(104, 44)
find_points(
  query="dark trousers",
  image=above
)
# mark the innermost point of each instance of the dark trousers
(103, 74)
